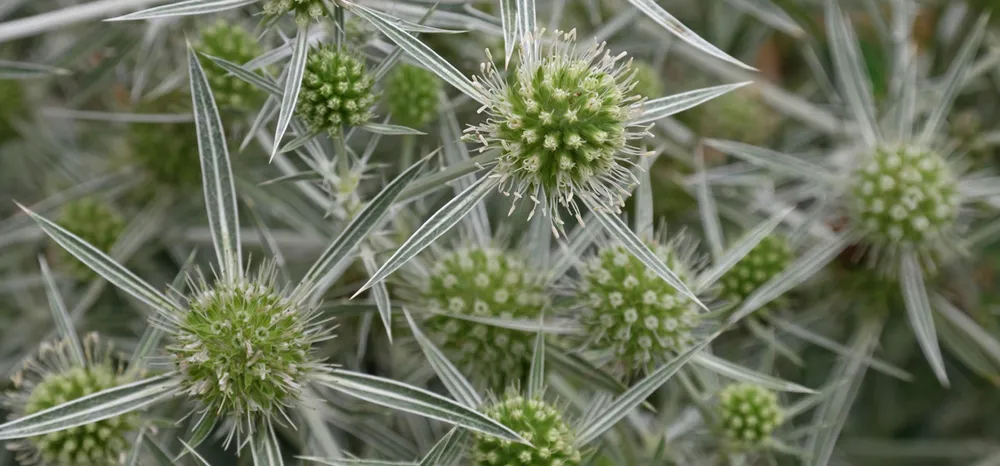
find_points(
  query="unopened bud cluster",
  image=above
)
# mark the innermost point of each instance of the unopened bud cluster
(552, 441)
(95, 222)
(749, 414)
(904, 196)
(304, 10)
(412, 95)
(633, 312)
(234, 44)
(336, 90)
(765, 261)
(484, 282)
(166, 152)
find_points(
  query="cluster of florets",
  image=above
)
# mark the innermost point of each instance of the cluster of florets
(411, 94)
(244, 348)
(483, 282)
(234, 44)
(94, 221)
(336, 90)
(904, 198)
(631, 311)
(54, 378)
(739, 116)
(166, 152)
(748, 414)
(304, 10)
(765, 261)
(552, 441)
(562, 122)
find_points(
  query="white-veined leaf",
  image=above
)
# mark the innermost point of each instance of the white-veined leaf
(23, 70)
(103, 265)
(216, 174)
(420, 52)
(264, 449)
(442, 178)
(574, 365)
(920, 314)
(64, 324)
(449, 446)
(663, 107)
(95, 407)
(379, 293)
(661, 17)
(854, 80)
(248, 76)
(620, 231)
(435, 226)
(293, 83)
(737, 372)
(774, 161)
(738, 251)
(508, 18)
(456, 383)
(185, 8)
(983, 339)
(414, 400)
(525, 29)
(390, 130)
(706, 208)
(536, 376)
(359, 228)
(628, 401)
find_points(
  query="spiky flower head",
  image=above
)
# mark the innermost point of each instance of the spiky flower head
(336, 90)
(411, 94)
(748, 414)
(56, 377)
(562, 121)
(631, 311)
(304, 10)
(647, 80)
(166, 152)
(244, 348)
(233, 43)
(765, 261)
(739, 116)
(484, 282)
(552, 440)
(96, 222)
(904, 197)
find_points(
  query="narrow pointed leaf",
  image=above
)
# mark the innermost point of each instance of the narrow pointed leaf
(92, 408)
(103, 265)
(628, 401)
(293, 84)
(436, 226)
(737, 372)
(418, 50)
(265, 449)
(452, 442)
(362, 224)
(511, 38)
(353, 462)
(738, 251)
(774, 161)
(22, 70)
(661, 17)
(573, 365)
(380, 294)
(244, 74)
(663, 107)
(526, 30)
(855, 83)
(410, 399)
(203, 428)
(185, 8)
(216, 174)
(954, 79)
(707, 210)
(536, 376)
(620, 231)
(458, 386)
(201, 460)
(841, 350)
(64, 323)
(921, 317)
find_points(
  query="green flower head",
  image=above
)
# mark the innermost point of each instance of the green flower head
(166, 152)
(765, 261)
(411, 94)
(552, 440)
(233, 43)
(336, 90)
(304, 10)
(54, 378)
(94, 221)
(748, 414)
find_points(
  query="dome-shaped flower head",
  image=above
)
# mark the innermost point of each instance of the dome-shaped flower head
(304, 10)
(55, 377)
(233, 43)
(748, 414)
(904, 197)
(166, 152)
(336, 90)
(411, 94)
(96, 222)
(244, 349)
(552, 440)
(483, 282)
(561, 120)
(630, 311)
(765, 261)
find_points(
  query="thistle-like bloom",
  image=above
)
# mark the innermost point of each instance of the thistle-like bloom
(53, 378)
(490, 283)
(411, 94)
(748, 414)
(233, 43)
(630, 311)
(336, 90)
(304, 10)
(244, 349)
(561, 120)
(97, 223)
(765, 261)
(552, 439)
